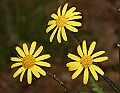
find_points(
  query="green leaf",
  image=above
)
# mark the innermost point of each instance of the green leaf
(95, 86)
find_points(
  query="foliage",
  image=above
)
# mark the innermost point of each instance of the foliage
(95, 86)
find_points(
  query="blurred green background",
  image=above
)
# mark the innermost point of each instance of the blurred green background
(26, 21)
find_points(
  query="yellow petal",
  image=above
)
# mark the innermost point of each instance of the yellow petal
(64, 9)
(75, 17)
(58, 35)
(77, 73)
(25, 48)
(42, 63)
(22, 74)
(73, 68)
(18, 72)
(93, 73)
(86, 76)
(74, 23)
(32, 48)
(84, 47)
(58, 11)
(96, 68)
(71, 28)
(64, 34)
(35, 72)
(43, 57)
(53, 34)
(73, 57)
(70, 11)
(16, 64)
(72, 63)
(51, 22)
(75, 14)
(100, 59)
(41, 71)
(79, 50)
(29, 76)
(50, 28)
(38, 51)
(54, 16)
(98, 54)
(92, 47)
(20, 52)
(15, 59)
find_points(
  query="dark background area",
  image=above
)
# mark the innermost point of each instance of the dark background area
(26, 21)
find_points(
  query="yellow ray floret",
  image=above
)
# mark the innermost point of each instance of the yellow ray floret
(63, 19)
(30, 60)
(85, 60)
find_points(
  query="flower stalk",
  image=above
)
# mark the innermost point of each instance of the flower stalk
(77, 38)
(119, 38)
(60, 82)
(111, 83)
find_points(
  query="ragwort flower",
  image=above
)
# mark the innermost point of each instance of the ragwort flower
(85, 61)
(29, 61)
(61, 20)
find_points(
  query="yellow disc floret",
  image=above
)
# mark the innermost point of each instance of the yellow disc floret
(61, 21)
(86, 61)
(28, 61)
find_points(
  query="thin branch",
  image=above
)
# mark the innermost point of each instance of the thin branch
(77, 38)
(119, 38)
(110, 82)
(60, 82)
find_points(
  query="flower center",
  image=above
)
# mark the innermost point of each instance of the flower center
(86, 61)
(61, 21)
(28, 61)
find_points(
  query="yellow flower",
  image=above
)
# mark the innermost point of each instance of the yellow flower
(29, 61)
(85, 61)
(61, 20)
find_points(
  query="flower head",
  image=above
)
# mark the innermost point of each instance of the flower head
(30, 61)
(61, 20)
(85, 61)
